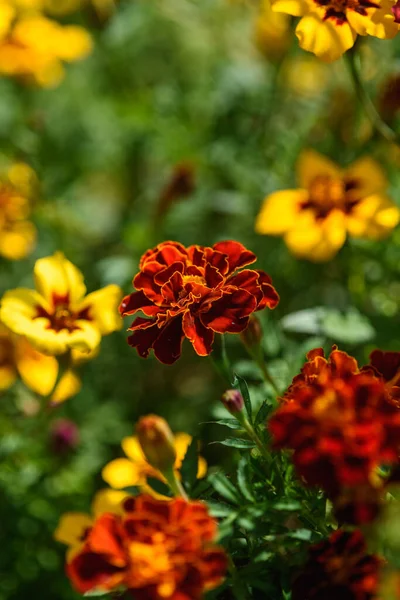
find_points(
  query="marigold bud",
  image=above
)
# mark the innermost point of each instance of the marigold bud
(233, 401)
(157, 442)
(64, 436)
(252, 335)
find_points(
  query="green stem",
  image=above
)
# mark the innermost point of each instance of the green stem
(258, 357)
(369, 108)
(176, 486)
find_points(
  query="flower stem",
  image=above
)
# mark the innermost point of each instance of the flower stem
(176, 486)
(369, 108)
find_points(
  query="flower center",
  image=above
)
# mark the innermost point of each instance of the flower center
(336, 9)
(327, 193)
(62, 316)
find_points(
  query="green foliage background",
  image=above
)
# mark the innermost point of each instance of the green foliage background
(168, 81)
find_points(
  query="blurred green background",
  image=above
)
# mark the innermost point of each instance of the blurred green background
(172, 82)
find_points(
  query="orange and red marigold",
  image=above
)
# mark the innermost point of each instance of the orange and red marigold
(194, 292)
(157, 550)
(340, 422)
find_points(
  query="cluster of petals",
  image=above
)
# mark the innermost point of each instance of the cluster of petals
(57, 316)
(34, 47)
(339, 567)
(194, 292)
(329, 204)
(339, 421)
(156, 550)
(17, 232)
(330, 27)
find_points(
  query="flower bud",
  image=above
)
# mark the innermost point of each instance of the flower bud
(64, 436)
(252, 335)
(233, 401)
(157, 442)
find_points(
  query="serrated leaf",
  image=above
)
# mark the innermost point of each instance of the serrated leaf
(218, 510)
(231, 423)
(158, 486)
(189, 466)
(263, 413)
(225, 488)
(243, 479)
(244, 390)
(238, 443)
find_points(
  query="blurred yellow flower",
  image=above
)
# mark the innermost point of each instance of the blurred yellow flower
(134, 470)
(35, 47)
(17, 234)
(57, 316)
(272, 32)
(329, 27)
(38, 371)
(74, 527)
(329, 204)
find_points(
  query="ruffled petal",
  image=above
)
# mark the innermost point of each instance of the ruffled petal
(238, 256)
(325, 39)
(145, 334)
(230, 313)
(168, 345)
(200, 336)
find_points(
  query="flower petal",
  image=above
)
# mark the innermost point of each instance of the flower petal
(200, 336)
(8, 376)
(279, 211)
(368, 175)
(230, 313)
(316, 241)
(379, 22)
(55, 275)
(71, 528)
(311, 164)
(296, 8)
(145, 332)
(168, 345)
(325, 39)
(121, 473)
(18, 240)
(68, 386)
(238, 255)
(103, 308)
(38, 371)
(108, 501)
(374, 217)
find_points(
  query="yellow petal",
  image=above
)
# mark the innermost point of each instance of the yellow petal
(37, 371)
(18, 240)
(311, 164)
(279, 211)
(369, 176)
(68, 386)
(182, 442)
(379, 22)
(8, 376)
(18, 309)
(22, 177)
(108, 501)
(317, 241)
(86, 338)
(7, 13)
(133, 450)
(103, 308)
(72, 527)
(79, 357)
(290, 7)
(325, 39)
(374, 217)
(57, 275)
(121, 473)
(202, 468)
(73, 43)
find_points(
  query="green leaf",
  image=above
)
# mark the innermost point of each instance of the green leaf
(263, 413)
(288, 505)
(189, 466)
(96, 593)
(243, 479)
(231, 423)
(218, 510)
(237, 443)
(301, 534)
(350, 328)
(159, 486)
(225, 488)
(241, 383)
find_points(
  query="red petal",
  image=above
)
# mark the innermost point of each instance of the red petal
(137, 301)
(270, 295)
(170, 252)
(170, 290)
(386, 363)
(200, 336)
(238, 255)
(89, 571)
(164, 275)
(230, 313)
(105, 538)
(168, 345)
(145, 333)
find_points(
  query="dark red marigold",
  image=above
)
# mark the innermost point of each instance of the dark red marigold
(338, 421)
(339, 568)
(158, 550)
(387, 366)
(194, 292)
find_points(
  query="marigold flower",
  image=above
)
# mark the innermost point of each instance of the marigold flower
(330, 27)
(74, 527)
(338, 421)
(38, 371)
(134, 470)
(157, 442)
(156, 550)
(329, 204)
(194, 292)
(17, 233)
(387, 366)
(339, 567)
(58, 317)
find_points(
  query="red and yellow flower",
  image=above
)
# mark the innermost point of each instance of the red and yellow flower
(17, 233)
(330, 27)
(57, 317)
(329, 204)
(339, 567)
(158, 550)
(194, 292)
(339, 422)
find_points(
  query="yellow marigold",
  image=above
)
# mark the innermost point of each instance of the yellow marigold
(73, 527)
(329, 204)
(57, 316)
(272, 32)
(329, 27)
(17, 233)
(134, 470)
(35, 47)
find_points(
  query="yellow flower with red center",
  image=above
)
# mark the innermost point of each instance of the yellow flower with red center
(57, 317)
(34, 47)
(74, 527)
(17, 233)
(330, 27)
(134, 470)
(329, 204)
